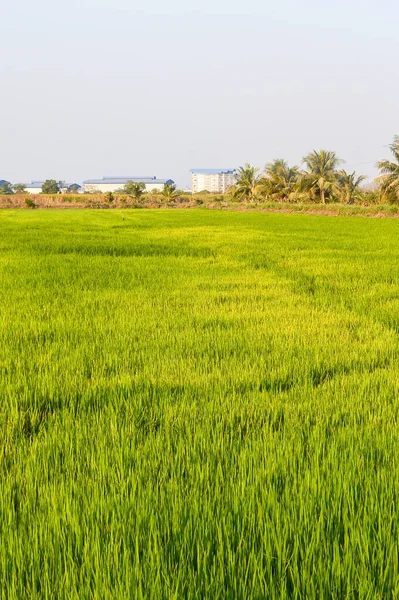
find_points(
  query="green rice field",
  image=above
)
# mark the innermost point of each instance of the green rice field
(198, 405)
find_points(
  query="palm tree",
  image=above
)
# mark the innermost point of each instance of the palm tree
(280, 180)
(350, 186)
(134, 189)
(389, 173)
(169, 192)
(247, 183)
(321, 179)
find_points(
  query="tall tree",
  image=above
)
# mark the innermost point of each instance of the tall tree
(389, 173)
(350, 186)
(6, 188)
(169, 192)
(247, 183)
(50, 186)
(280, 180)
(19, 188)
(321, 177)
(134, 189)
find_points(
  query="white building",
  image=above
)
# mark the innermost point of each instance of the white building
(35, 187)
(212, 180)
(114, 184)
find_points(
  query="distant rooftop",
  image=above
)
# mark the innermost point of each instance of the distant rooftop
(128, 178)
(34, 184)
(124, 180)
(213, 171)
(38, 185)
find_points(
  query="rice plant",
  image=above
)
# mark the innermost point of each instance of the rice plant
(198, 404)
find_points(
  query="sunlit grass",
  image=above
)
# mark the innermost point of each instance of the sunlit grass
(198, 404)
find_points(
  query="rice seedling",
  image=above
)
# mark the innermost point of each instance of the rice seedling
(198, 404)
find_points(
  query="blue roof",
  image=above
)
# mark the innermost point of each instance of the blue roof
(129, 178)
(34, 184)
(3, 181)
(213, 171)
(39, 184)
(124, 180)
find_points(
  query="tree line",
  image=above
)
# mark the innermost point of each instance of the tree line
(50, 186)
(321, 180)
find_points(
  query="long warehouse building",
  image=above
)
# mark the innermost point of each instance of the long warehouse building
(114, 184)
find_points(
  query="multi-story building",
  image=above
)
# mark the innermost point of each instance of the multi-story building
(212, 180)
(114, 184)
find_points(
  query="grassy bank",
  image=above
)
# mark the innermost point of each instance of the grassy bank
(198, 404)
(208, 201)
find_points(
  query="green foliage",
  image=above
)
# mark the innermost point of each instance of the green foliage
(50, 186)
(349, 184)
(109, 197)
(370, 196)
(280, 181)
(169, 193)
(247, 183)
(320, 179)
(198, 404)
(29, 203)
(133, 189)
(19, 188)
(6, 189)
(73, 189)
(321, 182)
(389, 174)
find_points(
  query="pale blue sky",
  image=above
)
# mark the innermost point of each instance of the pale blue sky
(148, 87)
